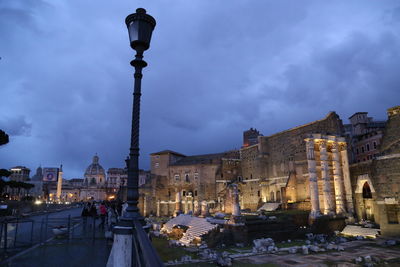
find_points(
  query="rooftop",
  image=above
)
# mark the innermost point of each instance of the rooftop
(206, 158)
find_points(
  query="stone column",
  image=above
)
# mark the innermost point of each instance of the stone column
(204, 209)
(186, 207)
(235, 201)
(144, 206)
(197, 208)
(158, 208)
(178, 208)
(326, 178)
(191, 205)
(346, 179)
(313, 180)
(337, 179)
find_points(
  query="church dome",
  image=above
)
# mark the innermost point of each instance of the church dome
(95, 168)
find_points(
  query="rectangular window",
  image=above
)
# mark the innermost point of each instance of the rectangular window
(374, 145)
(184, 193)
(357, 151)
(157, 164)
(362, 149)
(176, 177)
(195, 193)
(196, 175)
(392, 214)
(367, 147)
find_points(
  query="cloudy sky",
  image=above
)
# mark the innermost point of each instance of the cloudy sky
(216, 68)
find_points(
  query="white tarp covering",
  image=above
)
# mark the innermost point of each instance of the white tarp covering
(355, 230)
(269, 207)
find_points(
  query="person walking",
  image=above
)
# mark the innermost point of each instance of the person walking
(85, 214)
(93, 213)
(103, 214)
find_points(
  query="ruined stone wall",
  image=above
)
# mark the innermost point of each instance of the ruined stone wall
(383, 177)
(159, 164)
(253, 165)
(279, 156)
(202, 187)
(230, 170)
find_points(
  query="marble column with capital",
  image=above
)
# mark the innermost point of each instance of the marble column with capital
(186, 205)
(346, 179)
(338, 179)
(313, 180)
(235, 201)
(178, 207)
(158, 208)
(326, 179)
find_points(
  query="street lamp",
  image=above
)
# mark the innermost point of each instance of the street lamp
(140, 27)
(132, 246)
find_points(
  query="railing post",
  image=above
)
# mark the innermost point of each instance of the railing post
(94, 227)
(16, 233)
(73, 229)
(5, 237)
(1, 231)
(32, 222)
(45, 227)
(41, 231)
(69, 225)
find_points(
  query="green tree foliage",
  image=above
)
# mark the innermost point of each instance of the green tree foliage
(3, 138)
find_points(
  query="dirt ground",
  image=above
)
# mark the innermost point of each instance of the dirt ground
(383, 256)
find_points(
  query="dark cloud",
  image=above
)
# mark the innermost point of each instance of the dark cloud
(215, 69)
(16, 126)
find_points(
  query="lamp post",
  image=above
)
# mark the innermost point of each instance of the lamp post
(140, 27)
(131, 246)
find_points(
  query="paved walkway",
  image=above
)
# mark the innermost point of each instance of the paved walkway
(82, 250)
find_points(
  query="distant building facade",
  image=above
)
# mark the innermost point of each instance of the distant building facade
(38, 175)
(250, 137)
(364, 135)
(19, 173)
(94, 184)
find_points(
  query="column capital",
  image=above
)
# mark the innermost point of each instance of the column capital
(342, 146)
(334, 146)
(309, 140)
(322, 143)
(310, 148)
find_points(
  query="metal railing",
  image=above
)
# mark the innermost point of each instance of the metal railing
(17, 234)
(144, 254)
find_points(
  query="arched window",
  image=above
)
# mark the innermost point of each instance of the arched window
(187, 178)
(367, 191)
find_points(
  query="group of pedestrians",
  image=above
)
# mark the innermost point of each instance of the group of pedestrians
(106, 211)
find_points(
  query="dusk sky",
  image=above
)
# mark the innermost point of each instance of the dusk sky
(215, 69)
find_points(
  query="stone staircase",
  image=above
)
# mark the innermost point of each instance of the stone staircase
(196, 227)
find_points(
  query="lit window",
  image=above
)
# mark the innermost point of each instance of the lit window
(157, 164)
